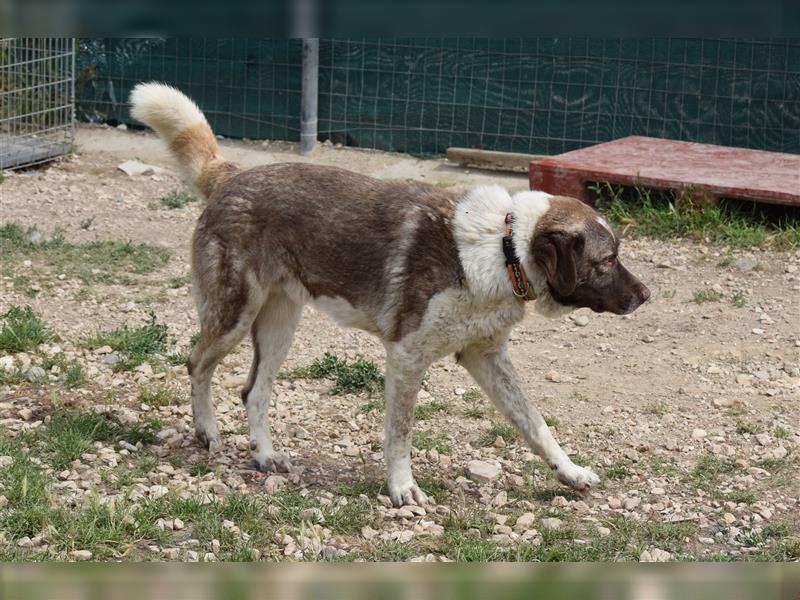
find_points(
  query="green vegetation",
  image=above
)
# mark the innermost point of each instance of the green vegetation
(23, 330)
(159, 395)
(427, 410)
(92, 262)
(143, 344)
(431, 440)
(504, 430)
(177, 199)
(702, 296)
(360, 375)
(663, 215)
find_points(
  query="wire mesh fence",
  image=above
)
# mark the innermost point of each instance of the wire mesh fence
(422, 95)
(37, 99)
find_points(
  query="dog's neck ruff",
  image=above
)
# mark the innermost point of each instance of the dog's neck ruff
(516, 272)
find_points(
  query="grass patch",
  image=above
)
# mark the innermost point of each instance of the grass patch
(22, 330)
(145, 343)
(741, 497)
(92, 262)
(428, 410)
(738, 299)
(618, 471)
(71, 370)
(476, 406)
(707, 295)
(779, 433)
(743, 427)
(708, 472)
(663, 214)
(504, 430)
(349, 377)
(159, 395)
(176, 199)
(658, 408)
(72, 433)
(431, 440)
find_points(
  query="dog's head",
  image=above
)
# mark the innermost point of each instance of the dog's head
(576, 253)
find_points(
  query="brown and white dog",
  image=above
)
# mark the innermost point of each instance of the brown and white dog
(421, 268)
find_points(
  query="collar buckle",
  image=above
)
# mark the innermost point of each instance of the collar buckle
(516, 272)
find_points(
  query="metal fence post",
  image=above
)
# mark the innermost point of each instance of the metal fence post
(308, 109)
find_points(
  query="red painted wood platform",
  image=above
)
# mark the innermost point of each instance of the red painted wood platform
(707, 170)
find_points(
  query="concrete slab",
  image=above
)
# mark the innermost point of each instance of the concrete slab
(706, 169)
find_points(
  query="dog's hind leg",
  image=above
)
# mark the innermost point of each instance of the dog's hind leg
(492, 370)
(272, 332)
(225, 317)
(403, 378)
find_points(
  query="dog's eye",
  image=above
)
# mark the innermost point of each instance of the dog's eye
(608, 263)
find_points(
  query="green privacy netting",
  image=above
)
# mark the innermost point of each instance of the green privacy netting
(422, 95)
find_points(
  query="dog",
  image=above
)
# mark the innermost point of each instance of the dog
(429, 272)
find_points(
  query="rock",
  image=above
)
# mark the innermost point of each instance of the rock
(274, 484)
(368, 532)
(745, 263)
(6, 461)
(525, 520)
(7, 363)
(26, 414)
(483, 472)
(726, 402)
(233, 381)
(111, 359)
(779, 453)
(460, 391)
(81, 554)
(134, 167)
(763, 439)
(744, 379)
(499, 442)
(729, 518)
(631, 502)
(36, 374)
(25, 542)
(551, 523)
(603, 531)
(177, 524)
(655, 555)
(757, 331)
(501, 499)
(699, 434)
(553, 376)
(580, 320)
(648, 339)
(158, 491)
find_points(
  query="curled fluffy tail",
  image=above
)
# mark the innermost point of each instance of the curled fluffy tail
(181, 124)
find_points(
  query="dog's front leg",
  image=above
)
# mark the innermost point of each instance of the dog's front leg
(492, 370)
(403, 378)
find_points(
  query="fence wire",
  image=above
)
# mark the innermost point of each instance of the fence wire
(36, 99)
(422, 95)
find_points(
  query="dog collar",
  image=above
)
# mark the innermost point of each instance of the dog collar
(516, 272)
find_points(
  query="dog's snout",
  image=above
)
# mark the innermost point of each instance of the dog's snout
(644, 292)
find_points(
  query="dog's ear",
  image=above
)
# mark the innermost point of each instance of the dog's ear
(556, 253)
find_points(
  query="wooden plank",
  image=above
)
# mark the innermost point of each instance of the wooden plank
(716, 171)
(515, 162)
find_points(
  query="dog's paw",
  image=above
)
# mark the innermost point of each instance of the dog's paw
(208, 440)
(578, 478)
(402, 495)
(272, 462)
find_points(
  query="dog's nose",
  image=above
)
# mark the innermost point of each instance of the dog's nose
(644, 292)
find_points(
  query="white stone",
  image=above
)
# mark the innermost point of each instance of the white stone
(134, 167)
(483, 472)
(81, 554)
(655, 555)
(551, 523)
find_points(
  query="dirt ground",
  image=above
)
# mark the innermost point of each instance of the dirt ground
(687, 410)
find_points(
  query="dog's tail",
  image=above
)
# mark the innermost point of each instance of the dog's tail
(181, 124)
